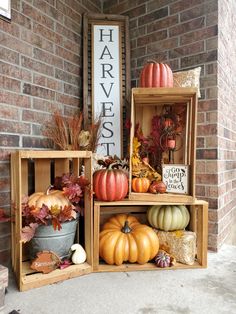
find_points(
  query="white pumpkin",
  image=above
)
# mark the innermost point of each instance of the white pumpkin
(168, 217)
(79, 256)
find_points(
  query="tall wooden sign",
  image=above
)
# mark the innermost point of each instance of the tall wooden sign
(106, 78)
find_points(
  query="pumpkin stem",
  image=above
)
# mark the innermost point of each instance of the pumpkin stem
(126, 228)
(114, 165)
(49, 189)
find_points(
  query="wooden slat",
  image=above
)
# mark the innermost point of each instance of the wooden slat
(61, 166)
(42, 173)
(202, 234)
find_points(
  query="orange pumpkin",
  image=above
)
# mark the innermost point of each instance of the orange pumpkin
(140, 185)
(123, 239)
(50, 199)
(156, 74)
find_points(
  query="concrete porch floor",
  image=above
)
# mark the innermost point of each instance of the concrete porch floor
(205, 291)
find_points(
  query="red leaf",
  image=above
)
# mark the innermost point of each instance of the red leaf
(56, 224)
(28, 232)
(73, 192)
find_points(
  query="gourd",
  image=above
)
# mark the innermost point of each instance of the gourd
(110, 184)
(156, 74)
(124, 239)
(50, 199)
(79, 256)
(163, 259)
(140, 185)
(168, 217)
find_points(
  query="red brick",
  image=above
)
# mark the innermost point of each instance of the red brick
(72, 90)
(205, 8)
(67, 77)
(212, 92)
(15, 72)
(47, 106)
(67, 100)
(15, 99)
(198, 35)
(160, 56)
(149, 18)
(74, 25)
(35, 142)
(206, 154)
(35, 116)
(37, 66)
(14, 127)
(145, 40)
(47, 82)
(9, 55)
(200, 142)
(72, 68)
(123, 7)
(67, 55)
(4, 170)
(7, 140)
(48, 58)
(10, 28)
(207, 105)
(200, 58)
(162, 45)
(15, 44)
(68, 11)
(48, 9)
(60, 29)
(37, 16)
(187, 27)
(47, 33)
(163, 23)
(182, 5)
(5, 185)
(5, 258)
(21, 19)
(92, 6)
(10, 84)
(36, 40)
(38, 91)
(194, 48)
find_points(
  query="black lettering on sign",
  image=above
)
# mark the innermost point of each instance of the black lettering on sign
(105, 92)
(106, 68)
(106, 109)
(107, 128)
(103, 35)
(106, 54)
(107, 146)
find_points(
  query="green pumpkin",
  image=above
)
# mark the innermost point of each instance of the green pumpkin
(168, 217)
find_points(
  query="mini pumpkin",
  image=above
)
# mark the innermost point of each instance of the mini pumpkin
(110, 184)
(162, 259)
(168, 217)
(140, 185)
(124, 239)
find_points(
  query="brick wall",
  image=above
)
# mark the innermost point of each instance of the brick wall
(184, 33)
(40, 72)
(227, 117)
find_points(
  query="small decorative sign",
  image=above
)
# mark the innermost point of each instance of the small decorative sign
(106, 87)
(5, 9)
(46, 262)
(175, 178)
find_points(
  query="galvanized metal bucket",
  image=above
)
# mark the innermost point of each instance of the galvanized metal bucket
(48, 239)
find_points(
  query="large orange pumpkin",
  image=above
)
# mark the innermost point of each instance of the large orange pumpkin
(110, 184)
(124, 239)
(156, 74)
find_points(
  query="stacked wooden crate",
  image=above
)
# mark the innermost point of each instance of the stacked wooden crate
(146, 103)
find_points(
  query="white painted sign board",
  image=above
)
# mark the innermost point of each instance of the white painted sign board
(106, 87)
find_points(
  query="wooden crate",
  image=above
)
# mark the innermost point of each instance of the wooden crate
(37, 169)
(148, 102)
(198, 223)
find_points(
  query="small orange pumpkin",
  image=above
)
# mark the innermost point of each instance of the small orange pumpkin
(140, 185)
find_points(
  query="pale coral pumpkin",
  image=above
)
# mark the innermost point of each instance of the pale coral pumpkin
(156, 74)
